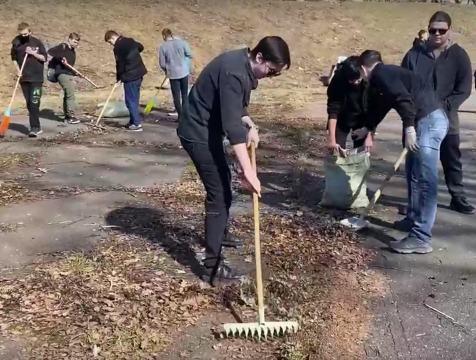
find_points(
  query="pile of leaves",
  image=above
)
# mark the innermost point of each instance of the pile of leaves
(113, 303)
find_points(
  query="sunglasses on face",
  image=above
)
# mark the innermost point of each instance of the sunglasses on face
(438, 31)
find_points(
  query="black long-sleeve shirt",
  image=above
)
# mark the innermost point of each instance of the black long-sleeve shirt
(218, 100)
(58, 53)
(403, 90)
(129, 64)
(450, 75)
(34, 68)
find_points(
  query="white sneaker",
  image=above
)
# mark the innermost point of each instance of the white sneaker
(173, 114)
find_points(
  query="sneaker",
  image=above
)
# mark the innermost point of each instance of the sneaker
(127, 126)
(135, 128)
(232, 241)
(34, 132)
(222, 273)
(72, 120)
(173, 114)
(461, 205)
(404, 225)
(411, 245)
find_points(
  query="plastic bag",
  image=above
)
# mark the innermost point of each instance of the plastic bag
(346, 186)
(114, 109)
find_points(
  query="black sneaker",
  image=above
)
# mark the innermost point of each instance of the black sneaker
(72, 120)
(232, 241)
(135, 128)
(411, 245)
(34, 132)
(222, 273)
(461, 205)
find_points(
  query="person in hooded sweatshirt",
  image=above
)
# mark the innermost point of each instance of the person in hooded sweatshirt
(425, 124)
(446, 67)
(421, 39)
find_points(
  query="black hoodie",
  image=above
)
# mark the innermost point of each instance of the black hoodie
(450, 75)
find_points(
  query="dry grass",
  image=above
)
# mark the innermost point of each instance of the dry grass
(317, 31)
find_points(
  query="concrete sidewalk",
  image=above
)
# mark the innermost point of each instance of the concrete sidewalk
(404, 327)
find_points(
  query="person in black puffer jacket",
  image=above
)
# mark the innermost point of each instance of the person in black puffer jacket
(130, 70)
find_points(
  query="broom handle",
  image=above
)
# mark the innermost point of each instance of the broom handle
(18, 82)
(259, 276)
(163, 82)
(385, 182)
(81, 75)
(107, 102)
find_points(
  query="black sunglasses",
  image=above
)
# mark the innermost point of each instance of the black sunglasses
(438, 31)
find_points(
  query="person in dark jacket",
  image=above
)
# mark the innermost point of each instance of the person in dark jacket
(58, 71)
(421, 39)
(32, 77)
(446, 67)
(425, 125)
(217, 108)
(130, 70)
(348, 97)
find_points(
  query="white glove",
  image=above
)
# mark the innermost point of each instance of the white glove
(411, 142)
(360, 133)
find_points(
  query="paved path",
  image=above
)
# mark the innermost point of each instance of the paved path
(404, 327)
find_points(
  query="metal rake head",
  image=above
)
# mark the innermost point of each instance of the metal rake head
(261, 331)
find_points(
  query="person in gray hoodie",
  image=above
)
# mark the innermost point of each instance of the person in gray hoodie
(173, 55)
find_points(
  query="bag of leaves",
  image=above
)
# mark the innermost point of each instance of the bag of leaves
(346, 186)
(114, 109)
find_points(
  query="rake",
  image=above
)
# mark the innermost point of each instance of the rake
(107, 102)
(153, 102)
(262, 328)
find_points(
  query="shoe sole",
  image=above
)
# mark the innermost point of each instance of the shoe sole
(413, 251)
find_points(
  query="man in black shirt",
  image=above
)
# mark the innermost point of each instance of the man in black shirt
(58, 71)
(130, 70)
(425, 125)
(446, 67)
(217, 108)
(32, 77)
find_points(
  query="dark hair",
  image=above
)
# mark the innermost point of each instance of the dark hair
(273, 49)
(74, 36)
(370, 57)
(167, 32)
(23, 26)
(440, 16)
(351, 68)
(109, 35)
(421, 32)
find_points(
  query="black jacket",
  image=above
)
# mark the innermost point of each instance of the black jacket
(405, 91)
(418, 42)
(34, 70)
(218, 100)
(349, 103)
(450, 75)
(58, 53)
(129, 64)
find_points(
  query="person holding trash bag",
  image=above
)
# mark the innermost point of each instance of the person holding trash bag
(425, 125)
(217, 108)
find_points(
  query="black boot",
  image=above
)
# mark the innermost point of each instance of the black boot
(461, 205)
(221, 273)
(232, 241)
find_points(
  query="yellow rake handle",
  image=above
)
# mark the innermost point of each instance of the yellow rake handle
(259, 275)
(107, 102)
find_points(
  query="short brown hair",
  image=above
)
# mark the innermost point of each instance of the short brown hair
(167, 32)
(109, 35)
(23, 26)
(74, 36)
(422, 32)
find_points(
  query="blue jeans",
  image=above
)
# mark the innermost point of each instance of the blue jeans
(421, 169)
(132, 97)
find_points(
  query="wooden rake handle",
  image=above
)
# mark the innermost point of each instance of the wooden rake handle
(377, 194)
(107, 102)
(259, 275)
(82, 75)
(18, 81)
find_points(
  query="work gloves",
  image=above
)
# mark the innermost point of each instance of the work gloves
(411, 142)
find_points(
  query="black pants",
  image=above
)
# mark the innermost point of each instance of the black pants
(32, 95)
(180, 87)
(450, 156)
(341, 139)
(212, 167)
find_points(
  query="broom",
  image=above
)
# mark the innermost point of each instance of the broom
(152, 102)
(6, 116)
(260, 328)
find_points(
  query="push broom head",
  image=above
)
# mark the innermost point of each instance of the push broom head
(5, 122)
(261, 331)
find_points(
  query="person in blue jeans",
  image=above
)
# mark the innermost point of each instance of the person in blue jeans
(425, 125)
(130, 70)
(174, 60)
